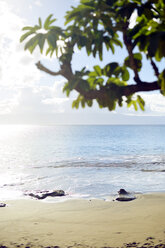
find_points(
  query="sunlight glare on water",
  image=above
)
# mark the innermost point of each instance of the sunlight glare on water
(82, 160)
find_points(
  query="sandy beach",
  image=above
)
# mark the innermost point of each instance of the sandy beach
(84, 223)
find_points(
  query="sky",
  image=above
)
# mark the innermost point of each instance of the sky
(29, 96)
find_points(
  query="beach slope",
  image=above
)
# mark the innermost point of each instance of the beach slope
(84, 223)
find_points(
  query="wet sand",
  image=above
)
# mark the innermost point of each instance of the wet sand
(84, 223)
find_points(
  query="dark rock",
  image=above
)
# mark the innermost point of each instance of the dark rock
(125, 196)
(150, 238)
(2, 205)
(122, 192)
(43, 194)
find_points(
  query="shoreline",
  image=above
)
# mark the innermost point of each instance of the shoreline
(84, 223)
(75, 197)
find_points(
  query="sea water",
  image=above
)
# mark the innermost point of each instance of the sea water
(84, 161)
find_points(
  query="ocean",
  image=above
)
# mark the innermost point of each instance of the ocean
(84, 161)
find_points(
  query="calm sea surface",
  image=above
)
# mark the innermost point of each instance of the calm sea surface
(84, 161)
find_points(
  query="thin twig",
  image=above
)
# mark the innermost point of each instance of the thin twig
(43, 68)
(155, 68)
(129, 47)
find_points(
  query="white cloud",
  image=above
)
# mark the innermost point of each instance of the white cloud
(38, 3)
(15, 67)
(21, 93)
(19, 76)
(58, 105)
(154, 106)
(132, 21)
(6, 106)
(41, 100)
(30, 6)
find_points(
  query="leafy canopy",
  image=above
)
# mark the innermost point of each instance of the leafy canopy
(96, 25)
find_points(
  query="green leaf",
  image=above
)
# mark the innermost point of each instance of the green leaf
(162, 82)
(125, 74)
(40, 22)
(52, 40)
(89, 103)
(88, 47)
(36, 27)
(117, 42)
(66, 89)
(101, 52)
(120, 102)
(48, 21)
(100, 81)
(137, 56)
(24, 36)
(48, 50)
(28, 28)
(110, 68)
(92, 74)
(41, 41)
(73, 83)
(84, 85)
(135, 105)
(98, 70)
(112, 47)
(141, 102)
(94, 51)
(83, 102)
(129, 103)
(111, 104)
(32, 43)
(75, 104)
(137, 59)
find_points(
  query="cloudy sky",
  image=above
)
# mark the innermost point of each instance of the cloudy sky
(28, 96)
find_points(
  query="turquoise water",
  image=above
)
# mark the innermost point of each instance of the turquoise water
(85, 161)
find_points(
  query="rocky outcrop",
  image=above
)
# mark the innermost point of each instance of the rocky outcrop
(122, 192)
(125, 196)
(43, 194)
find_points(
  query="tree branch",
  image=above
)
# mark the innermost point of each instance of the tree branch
(65, 70)
(144, 86)
(124, 90)
(129, 46)
(155, 68)
(43, 68)
(102, 92)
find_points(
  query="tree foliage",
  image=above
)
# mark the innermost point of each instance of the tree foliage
(96, 25)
